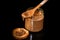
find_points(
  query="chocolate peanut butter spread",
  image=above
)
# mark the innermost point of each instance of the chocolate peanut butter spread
(38, 15)
(35, 23)
(20, 33)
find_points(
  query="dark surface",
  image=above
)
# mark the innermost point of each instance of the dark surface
(10, 17)
(36, 36)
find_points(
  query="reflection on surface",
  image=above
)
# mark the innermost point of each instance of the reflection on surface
(35, 36)
(30, 36)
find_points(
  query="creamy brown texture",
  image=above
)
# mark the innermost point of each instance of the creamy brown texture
(20, 33)
(35, 23)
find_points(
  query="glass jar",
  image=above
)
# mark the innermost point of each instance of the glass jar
(35, 23)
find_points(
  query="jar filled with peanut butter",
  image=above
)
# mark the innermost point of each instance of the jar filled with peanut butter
(34, 18)
(35, 23)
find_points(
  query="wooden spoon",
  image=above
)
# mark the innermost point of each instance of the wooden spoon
(30, 13)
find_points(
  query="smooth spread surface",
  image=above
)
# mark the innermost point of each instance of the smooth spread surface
(20, 33)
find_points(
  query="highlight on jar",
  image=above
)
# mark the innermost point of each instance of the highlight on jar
(35, 23)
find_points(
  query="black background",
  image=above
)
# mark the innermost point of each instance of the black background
(10, 16)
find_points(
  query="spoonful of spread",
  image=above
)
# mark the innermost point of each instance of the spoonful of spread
(30, 13)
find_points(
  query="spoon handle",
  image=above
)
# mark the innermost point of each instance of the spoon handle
(40, 4)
